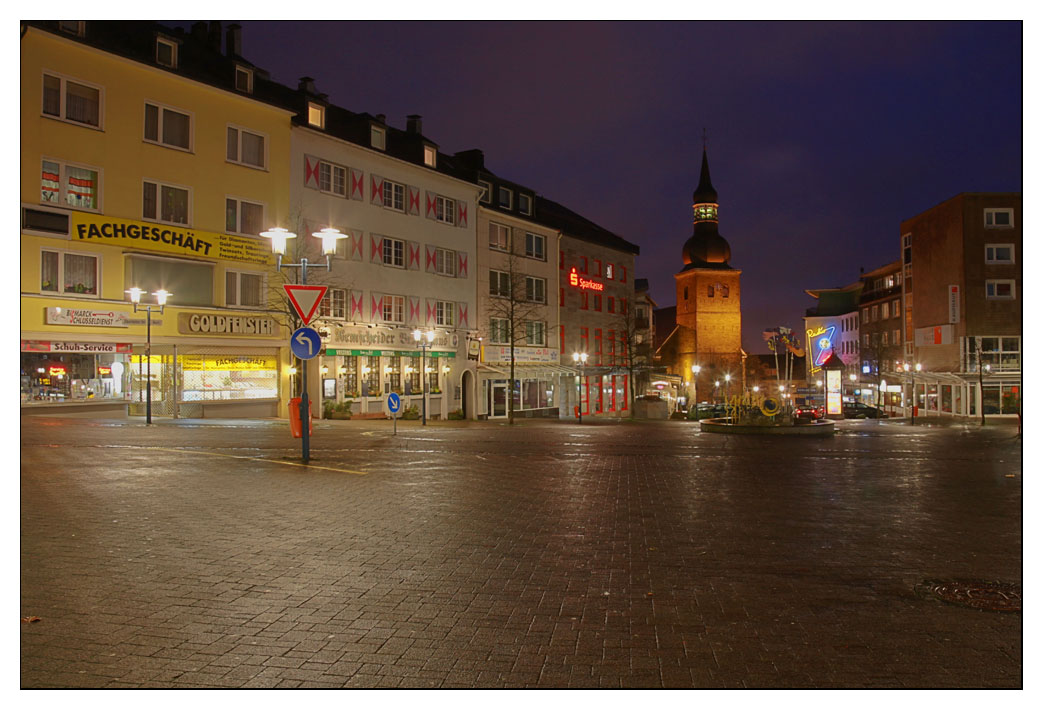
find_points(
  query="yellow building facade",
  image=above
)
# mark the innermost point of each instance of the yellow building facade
(149, 164)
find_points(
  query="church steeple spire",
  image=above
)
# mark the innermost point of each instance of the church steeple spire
(706, 247)
(704, 199)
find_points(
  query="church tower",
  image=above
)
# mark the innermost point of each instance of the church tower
(708, 296)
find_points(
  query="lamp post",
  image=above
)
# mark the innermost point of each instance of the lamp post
(912, 388)
(981, 381)
(279, 237)
(696, 369)
(727, 387)
(581, 360)
(161, 299)
(424, 340)
(716, 387)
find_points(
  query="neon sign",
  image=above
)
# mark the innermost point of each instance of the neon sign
(576, 280)
(821, 341)
(56, 370)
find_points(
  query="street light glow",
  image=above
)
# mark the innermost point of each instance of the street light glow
(278, 235)
(329, 237)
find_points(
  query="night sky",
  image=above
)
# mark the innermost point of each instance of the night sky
(822, 137)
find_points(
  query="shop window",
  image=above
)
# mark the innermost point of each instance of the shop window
(243, 288)
(191, 283)
(68, 273)
(66, 185)
(371, 376)
(207, 377)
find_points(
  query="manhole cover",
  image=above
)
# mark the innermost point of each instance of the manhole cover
(975, 593)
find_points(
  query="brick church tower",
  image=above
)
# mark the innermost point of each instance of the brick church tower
(709, 317)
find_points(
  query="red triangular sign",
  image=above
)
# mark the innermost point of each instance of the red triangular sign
(305, 299)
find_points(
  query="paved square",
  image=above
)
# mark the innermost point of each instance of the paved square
(547, 554)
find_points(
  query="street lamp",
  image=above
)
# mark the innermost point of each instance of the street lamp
(424, 340)
(981, 380)
(581, 360)
(716, 387)
(279, 237)
(696, 369)
(727, 386)
(161, 299)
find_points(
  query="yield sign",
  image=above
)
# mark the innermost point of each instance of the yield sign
(305, 299)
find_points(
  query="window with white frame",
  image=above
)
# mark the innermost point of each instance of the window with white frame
(999, 353)
(316, 115)
(865, 315)
(535, 332)
(244, 80)
(67, 272)
(536, 246)
(499, 236)
(499, 331)
(165, 203)
(505, 198)
(168, 127)
(244, 288)
(608, 271)
(394, 309)
(445, 210)
(1000, 289)
(333, 179)
(524, 203)
(499, 283)
(65, 185)
(246, 147)
(885, 310)
(487, 191)
(999, 253)
(376, 137)
(244, 217)
(535, 289)
(445, 262)
(394, 252)
(334, 304)
(71, 100)
(166, 52)
(430, 156)
(394, 196)
(999, 217)
(444, 313)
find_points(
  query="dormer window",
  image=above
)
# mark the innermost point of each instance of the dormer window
(166, 52)
(316, 115)
(377, 136)
(73, 27)
(525, 203)
(487, 191)
(430, 156)
(506, 198)
(244, 80)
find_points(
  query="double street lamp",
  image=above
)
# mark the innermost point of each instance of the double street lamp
(424, 340)
(696, 369)
(161, 299)
(279, 237)
(581, 360)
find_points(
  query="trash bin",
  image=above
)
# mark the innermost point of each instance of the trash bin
(295, 417)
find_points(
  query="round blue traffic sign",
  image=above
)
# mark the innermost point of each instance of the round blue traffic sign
(394, 403)
(305, 343)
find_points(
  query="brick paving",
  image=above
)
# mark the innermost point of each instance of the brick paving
(475, 555)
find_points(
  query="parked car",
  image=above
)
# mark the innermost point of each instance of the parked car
(812, 413)
(858, 410)
(705, 410)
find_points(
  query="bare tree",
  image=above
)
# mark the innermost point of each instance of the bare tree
(878, 355)
(637, 350)
(516, 301)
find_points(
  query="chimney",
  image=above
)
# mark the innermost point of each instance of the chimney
(306, 84)
(413, 124)
(215, 36)
(234, 40)
(382, 118)
(199, 32)
(473, 159)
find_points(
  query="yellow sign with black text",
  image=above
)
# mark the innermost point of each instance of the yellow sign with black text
(169, 239)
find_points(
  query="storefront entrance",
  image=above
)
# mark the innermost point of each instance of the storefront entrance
(498, 403)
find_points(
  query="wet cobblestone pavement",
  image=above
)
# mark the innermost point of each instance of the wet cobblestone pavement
(548, 554)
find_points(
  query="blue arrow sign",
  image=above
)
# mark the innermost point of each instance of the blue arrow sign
(305, 343)
(394, 403)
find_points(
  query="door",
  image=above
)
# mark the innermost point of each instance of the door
(499, 397)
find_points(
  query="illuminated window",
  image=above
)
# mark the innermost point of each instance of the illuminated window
(334, 304)
(376, 137)
(71, 100)
(498, 331)
(445, 262)
(65, 185)
(394, 309)
(444, 313)
(499, 236)
(168, 127)
(608, 271)
(430, 156)
(316, 115)
(68, 273)
(246, 148)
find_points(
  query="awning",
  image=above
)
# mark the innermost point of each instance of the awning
(529, 371)
(948, 378)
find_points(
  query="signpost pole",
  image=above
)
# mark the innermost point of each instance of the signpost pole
(305, 403)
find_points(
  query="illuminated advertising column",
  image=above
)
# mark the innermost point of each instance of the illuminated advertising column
(834, 404)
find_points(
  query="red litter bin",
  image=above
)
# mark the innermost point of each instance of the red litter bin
(295, 417)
